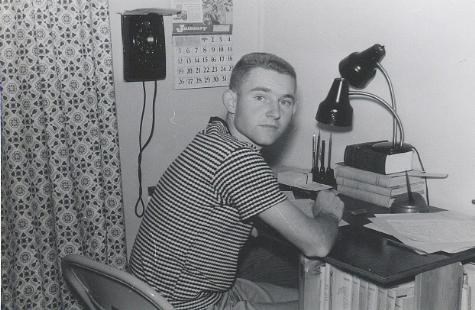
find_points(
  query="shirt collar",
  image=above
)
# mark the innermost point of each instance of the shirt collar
(222, 125)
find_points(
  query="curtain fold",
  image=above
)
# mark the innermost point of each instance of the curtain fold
(61, 183)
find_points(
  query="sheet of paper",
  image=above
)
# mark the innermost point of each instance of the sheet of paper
(436, 230)
(431, 232)
(300, 179)
(444, 226)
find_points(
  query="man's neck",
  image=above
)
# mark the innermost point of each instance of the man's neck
(236, 133)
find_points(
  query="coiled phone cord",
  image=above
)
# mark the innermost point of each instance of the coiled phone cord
(139, 205)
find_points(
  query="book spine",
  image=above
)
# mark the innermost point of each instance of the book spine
(391, 299)
(382, 297)
(341, 289)
(368, 176)
(374, 198)
(377, 199)
(327, 290)
(324, 288)
(355, 293)
(405, 289)
(465, 303)
(408, 303)
(416, 185)
(311, 280)
(372, 297)
(403, 292)
(398, 304)
(363, 300)
(469, 270)
(362, 157)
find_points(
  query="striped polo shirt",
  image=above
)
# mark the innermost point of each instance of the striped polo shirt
(198, 218)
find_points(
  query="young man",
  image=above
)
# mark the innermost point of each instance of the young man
(202, 209)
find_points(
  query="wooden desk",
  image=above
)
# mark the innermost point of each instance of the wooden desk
(375, 257)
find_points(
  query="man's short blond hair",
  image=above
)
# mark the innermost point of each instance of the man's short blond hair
(258, 60)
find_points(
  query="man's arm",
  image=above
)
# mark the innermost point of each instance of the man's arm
(313, 236)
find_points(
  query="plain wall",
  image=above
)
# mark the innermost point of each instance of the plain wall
(429, 56)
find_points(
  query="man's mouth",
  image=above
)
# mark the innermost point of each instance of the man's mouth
(270, 126)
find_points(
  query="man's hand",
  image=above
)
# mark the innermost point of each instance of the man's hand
(328, 203)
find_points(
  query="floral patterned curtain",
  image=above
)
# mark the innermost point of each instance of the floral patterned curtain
(61, 190)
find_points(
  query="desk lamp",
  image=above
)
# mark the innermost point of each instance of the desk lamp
(336, 110)
(357, 70)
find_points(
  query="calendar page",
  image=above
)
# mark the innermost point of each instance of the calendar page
(202, 40)
(202, 61)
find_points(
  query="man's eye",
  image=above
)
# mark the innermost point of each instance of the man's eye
(260, 98)
(287, 102)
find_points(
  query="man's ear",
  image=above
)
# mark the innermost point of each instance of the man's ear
(230, 100)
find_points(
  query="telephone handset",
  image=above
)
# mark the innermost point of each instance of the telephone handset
(143, 41)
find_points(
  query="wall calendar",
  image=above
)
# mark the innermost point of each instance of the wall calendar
(202, 40)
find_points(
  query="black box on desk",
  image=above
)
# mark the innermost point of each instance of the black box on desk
(363, 156)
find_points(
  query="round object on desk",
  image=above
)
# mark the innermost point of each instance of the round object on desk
(403, 204)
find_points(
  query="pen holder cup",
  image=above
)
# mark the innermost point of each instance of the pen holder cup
(329, 178)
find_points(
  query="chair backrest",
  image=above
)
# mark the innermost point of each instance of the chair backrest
(101, 286)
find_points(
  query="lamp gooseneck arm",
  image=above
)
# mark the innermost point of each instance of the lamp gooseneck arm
(387, 106)
(392, 95)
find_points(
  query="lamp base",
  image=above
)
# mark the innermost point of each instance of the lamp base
(404, 204)
(390, 148)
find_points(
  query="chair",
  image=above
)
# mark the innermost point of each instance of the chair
(102, 287)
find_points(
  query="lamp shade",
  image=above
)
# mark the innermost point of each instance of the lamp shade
(336, 110)
(360, 68)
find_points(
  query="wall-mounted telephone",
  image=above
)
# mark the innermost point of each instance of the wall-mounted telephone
(143, 41)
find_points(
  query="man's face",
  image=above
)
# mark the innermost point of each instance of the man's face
(265, 104)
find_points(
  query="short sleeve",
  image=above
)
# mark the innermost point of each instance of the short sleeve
(245, 181)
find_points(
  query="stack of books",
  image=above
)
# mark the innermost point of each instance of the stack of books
(377, 188)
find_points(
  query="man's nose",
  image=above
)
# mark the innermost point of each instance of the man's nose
(274, 109)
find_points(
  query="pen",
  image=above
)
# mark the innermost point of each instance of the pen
(409, 191)
(314, 139)
(329, 152)
(322, 159)
(318, 153)
(329, 174)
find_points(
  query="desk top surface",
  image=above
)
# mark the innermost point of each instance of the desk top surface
(380, 257)
(377, 257)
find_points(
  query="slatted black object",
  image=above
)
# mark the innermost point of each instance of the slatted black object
(143, 42)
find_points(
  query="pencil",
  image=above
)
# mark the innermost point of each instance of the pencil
(329, 151)
(314, 139)
(318, 152)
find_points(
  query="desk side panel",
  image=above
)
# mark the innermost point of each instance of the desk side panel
(440, 288)
(310, 283)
